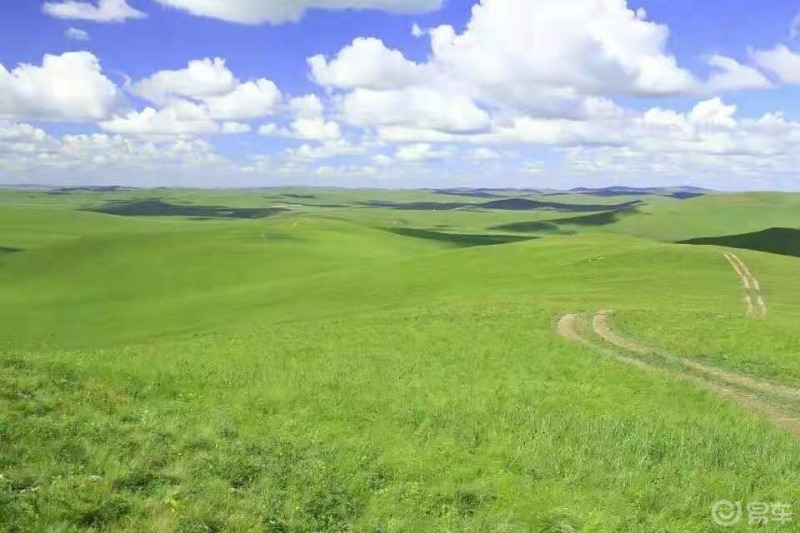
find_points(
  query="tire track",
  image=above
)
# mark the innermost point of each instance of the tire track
(567, 329)
(603, 329)
(751, 285)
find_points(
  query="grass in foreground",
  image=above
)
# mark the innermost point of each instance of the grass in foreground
(303, 374)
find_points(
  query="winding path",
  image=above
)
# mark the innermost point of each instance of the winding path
(709, 377)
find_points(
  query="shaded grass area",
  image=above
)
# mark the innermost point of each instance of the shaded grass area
(299, 196)
(679, 194)
(783, 241)
(554, 226)
(9, 250)
(156, 207)
(459, 239)
(685, 195)
(510, 204)
(473, 193)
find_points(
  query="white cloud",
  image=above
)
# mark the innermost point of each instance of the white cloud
(212, 88)
(420, 152)
(70, 87)
(181, 119)
(316, 129)
(562, 60)
(585, 46)
(533, 167)
(730, 75)
(253, 99)
(362, 171)
(230, 128)
(77, 34)
(20, 140)
(269, 129)
(713, 113)
(325, 150)
(104, 11)
(28, 154)
(365, 63)
(382, 159)
(416, 108)
(277, 11)
(311, 129)
(486, 153)
(201, 78)
(781, 62)
(306, 106)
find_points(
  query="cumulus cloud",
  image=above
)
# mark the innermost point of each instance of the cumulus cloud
(326, 150)
(420, 152)
(101, 158)
(561, 60)
(730, 75)
(249, 100)
(179, 119)
(20, 140)
(278, 11)
(365, 63)
(311, 129)
(783, 63)
(201, 78)
(104, 11)
(306, 106)
(77, 34)
(416, 107)
(590, 46)
(204, 97)
(709, 140)
(68, 88)
(232, 128)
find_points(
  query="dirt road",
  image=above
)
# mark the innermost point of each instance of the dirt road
(735, 387)
(753, 298)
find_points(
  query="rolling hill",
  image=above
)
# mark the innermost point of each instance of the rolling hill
(327, 369)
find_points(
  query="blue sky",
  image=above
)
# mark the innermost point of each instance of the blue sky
(403, 93)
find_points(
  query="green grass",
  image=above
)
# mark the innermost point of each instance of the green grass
(322, 370)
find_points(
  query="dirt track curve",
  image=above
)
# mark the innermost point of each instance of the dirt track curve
(710, 378)
(753, 298)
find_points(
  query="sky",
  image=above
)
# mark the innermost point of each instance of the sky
(401, 93)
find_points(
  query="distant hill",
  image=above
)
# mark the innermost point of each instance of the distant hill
(506, 204)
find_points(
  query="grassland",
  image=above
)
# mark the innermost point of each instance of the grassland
(334, 366)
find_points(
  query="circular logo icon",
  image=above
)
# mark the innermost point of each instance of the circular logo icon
(726, 513)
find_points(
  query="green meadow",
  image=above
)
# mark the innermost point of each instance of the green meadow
(362, 360)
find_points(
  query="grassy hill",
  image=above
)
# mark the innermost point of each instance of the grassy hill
(327, 369)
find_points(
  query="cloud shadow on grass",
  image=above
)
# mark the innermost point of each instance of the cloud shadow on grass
(459, 239)
(782, 241)
(155, 207)
(554, 226)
